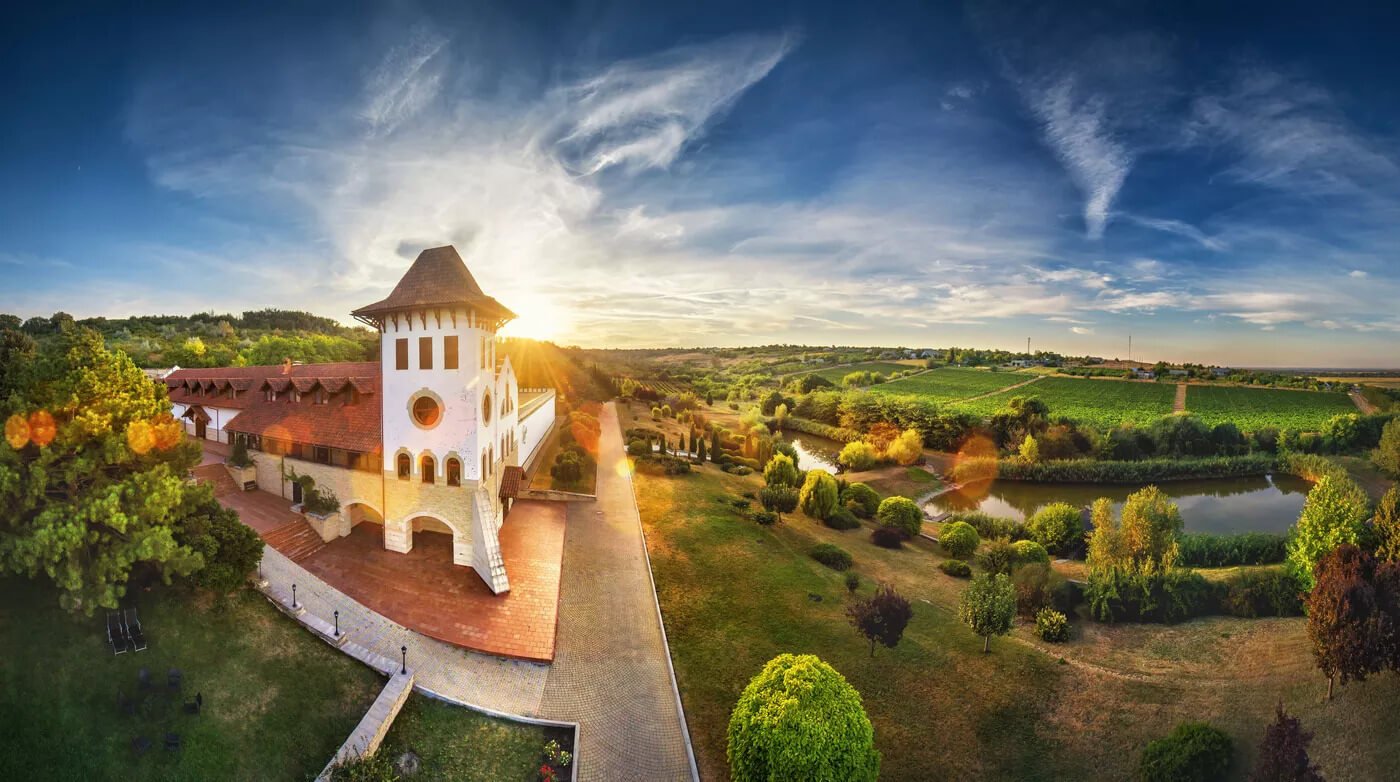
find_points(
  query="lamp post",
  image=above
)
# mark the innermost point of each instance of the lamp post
(337, 624)
(294, 595)
(403, 667)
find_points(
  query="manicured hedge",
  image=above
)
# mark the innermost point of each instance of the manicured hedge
(1249, 548)
(832, 556)
(987, 525)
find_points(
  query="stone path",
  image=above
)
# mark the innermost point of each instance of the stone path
(611, 672)
(1179, 406)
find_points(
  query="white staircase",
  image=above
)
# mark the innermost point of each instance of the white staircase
(487, 559)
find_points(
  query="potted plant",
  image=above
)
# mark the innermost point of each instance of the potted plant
(240, 465)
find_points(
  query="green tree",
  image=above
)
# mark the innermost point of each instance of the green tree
(901, 513)
(988, 606)
(1056, 526)
(1334, 513)
(1030, 449)
(780, 471)
(857, 456)
(94, 483)
(780, 415)
(959, 539)
(863, 500)
(230, 548)
(1387, 526)
(820, 494)
(779, 499)
(716, 450)
(800, 719)
(1150, 527)
(1387, 453)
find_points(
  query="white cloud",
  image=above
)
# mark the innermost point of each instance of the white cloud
(1081, 330)
(1357, 274)
(1179, 228)
(1078, 131)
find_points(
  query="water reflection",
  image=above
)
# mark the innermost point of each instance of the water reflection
(814, 451)
(1220, 505)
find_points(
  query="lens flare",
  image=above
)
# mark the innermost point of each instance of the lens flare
(624, 468)
(17, 431)
(42, 428)
(975, 467)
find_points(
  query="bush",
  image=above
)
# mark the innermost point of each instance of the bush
(1051, 625)
(239, 456)
(736, 469)
(852, 582)
(884, 537)
(820, 494)
(956, 568)
(1177, 595)
(997, 556)
(1250, 548)
(959, 539)
(1193, 752)
(1025, 552)
(861, 499)
(765, 517)
(841, 519)
(858, 456)
(1273, 592)
(639, 448)
(902, 514)
(779, 499)
(1056, 526)
(989, 526)
(833, 557)
(800, 719)
(1035, 587)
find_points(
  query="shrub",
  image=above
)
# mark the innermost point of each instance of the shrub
(737, 469)
(989, 526)
(1283, 754)
(841, 519)
(1174, 596)
(765, 517)
(956, 568)
(741, 503)
(1192, 752)
(852, 582)
(997, 556)
(858, 456)
(779, 499)
(800, 719)
(639, 448)
(1250, 548)
(1051, 625)
(884, 537)
(780, 471)
(1272, 592)
(1024, 552)
(1106, 471)
(902, 514)
(1035, 587)
(832, 556)
(959, 539)
(1056, 526)
(230, 548)
(1334, 513)
(239, 456)
(861, 499)
(819, 494)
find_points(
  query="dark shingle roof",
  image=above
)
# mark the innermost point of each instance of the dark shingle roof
(437, 278)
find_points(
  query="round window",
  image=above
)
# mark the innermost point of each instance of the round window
(486, 408)
(426, 411)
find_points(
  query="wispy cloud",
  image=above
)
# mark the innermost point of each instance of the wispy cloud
(1078, 131)
(1179, 228)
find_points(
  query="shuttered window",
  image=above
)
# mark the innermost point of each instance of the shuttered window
(400, 354)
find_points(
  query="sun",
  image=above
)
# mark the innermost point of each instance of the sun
(537, 317)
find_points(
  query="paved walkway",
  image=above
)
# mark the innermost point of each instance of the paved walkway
(611, 671)
(1179, 406)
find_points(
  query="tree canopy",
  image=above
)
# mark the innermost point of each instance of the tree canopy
(988, 606)
(1334, 513)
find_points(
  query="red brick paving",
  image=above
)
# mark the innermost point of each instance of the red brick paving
(423, 591)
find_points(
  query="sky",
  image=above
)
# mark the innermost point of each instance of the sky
(1219, 180)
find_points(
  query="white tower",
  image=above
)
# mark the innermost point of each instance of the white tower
(442, 411)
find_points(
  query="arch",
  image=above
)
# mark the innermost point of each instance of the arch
(428, 468)
(453, 471)
(403, 464)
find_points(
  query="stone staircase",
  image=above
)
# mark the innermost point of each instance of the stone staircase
(295, 539)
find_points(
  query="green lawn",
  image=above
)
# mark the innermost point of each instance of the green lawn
(277, 702)
(834, 374)
(1255, 408)
(735, 594)
(948, 384)
(1102, 402)
(460, 744)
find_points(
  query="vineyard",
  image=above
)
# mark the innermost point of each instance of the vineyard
(834, 374)
(951, 383)
(1255, 408)
(662, 388)
(1100, 402)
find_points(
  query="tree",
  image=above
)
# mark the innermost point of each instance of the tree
(800, 719)
(779, 499)
(857, 456)
(1387, 452)
(881, 617)
(819, 494)
(907, 448)
(901, 513)
(230, 548)
(1030, 449)
(700, 450)
(959, 539)
(780, 471)
(1192, 752)
(1151, 525)
(1387, 526)
(91, 473)
(1283, 754)
(1334, 513)
(988, 606)
(716, 450)
(1343, 616)
(780, 415)
(861, 499)
(1056, 526)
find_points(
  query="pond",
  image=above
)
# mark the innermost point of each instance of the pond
(815, 451)
(1219, 505)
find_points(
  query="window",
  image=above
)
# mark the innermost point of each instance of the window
(405, 466)
(321, 455)
(486, 408)
(483, 465)
(400, 354)
(429, 470)
(270, 395)
(323, 397)
(449, 352)
(454, 472)
(425, 352)
(426, 411)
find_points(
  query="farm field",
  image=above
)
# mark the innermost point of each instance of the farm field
(834, 374)
(952, 383)
(1255, 408)
(1101, 402)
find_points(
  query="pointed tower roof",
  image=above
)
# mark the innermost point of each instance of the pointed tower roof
(437, 278)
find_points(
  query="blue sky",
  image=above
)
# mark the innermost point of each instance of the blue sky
(1222, 183)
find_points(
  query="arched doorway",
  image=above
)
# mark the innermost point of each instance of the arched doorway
(439, 538)
(358, 513)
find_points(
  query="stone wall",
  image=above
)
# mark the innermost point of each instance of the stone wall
(374, 726)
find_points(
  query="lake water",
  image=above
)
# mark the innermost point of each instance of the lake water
(1219, 505)
(814, 451)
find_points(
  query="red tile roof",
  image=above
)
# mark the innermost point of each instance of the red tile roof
(437, 278)
(511, 480)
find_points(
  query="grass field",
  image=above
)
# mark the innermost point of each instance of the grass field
(834, 374)
(951, 383)
(277, 702)
(735, 594)
(1102, 402)
(459, 744)
(1255, 408)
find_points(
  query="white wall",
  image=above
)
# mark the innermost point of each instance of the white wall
(535, 427)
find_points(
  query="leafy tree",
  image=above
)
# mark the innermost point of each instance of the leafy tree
(11, 322)
(1387, 526)
(91, 472)
(779, 499)
(997, 556)
(780, 471)
(820, 494)
(1228, 439)
(1334, 513)
(1021, 416)
(881, 617)
(1387, 453)
(1283, 754)
(1028, 551)
(863, 500)
(1344, 616)
(16, 350)
(230, 548)
(1151, 525)
(1192, 752)
(959, 539)
(988, 606)
(780, 415)
(716, 450)
(1181, 435)
(902, 514)
(800, 719)
(857, 456)
(1056, 526)
(1030, 449)
(907, 448)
